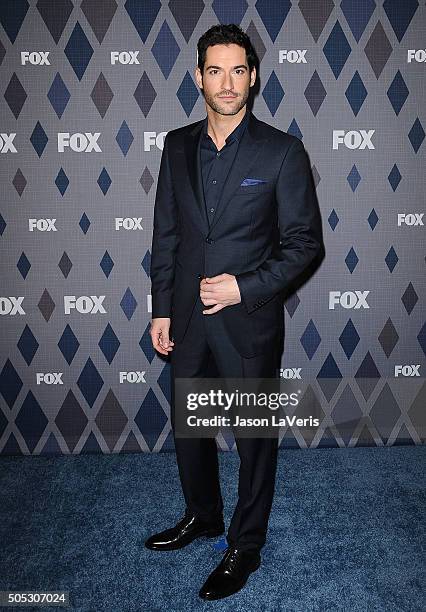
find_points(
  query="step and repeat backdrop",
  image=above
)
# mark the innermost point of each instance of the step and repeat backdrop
(88, 91)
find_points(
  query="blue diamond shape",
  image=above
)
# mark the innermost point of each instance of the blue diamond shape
(23, 265)
(78, 51)
(62, 181)
(106, 264)
(124, 138)
(12, 15)
(187, 94)
(329, 369)
(357, 15)
(164, 382)
(394, 177)
(349, 339)
(391, 259)
(333, 219)
(165, 50)
(151, 419)
(273, 93)
(397, 92)
(58, 95)
(353, 178)
(39, 139)
(373, 219)
(400, 14)
(229, 12)
(310, 339)
(90, 382)
(337, 49)
(84, 223)
(68, 344)
(146, 263)
(3, 225)
(146, 344)
(273, 15)
(109, 344)
(27, 345)
(10, 383)
(329, 377)
(351, 260)
(416, 135)
(356, 93)
(143, 15)
(104, 181)
(294, 130)
(128, 304)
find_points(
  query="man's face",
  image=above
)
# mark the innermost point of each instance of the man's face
(226, 79)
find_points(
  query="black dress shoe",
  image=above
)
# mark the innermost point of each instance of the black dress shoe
(187, 529)
(231, 574)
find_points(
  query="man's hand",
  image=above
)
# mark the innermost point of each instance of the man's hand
(221, 290)
(160, 335)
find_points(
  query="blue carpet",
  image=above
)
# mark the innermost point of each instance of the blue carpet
(347, 532)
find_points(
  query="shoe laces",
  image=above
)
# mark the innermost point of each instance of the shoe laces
(183, 521)
(231, 557)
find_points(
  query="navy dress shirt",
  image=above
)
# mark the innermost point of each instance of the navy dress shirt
(215, 164)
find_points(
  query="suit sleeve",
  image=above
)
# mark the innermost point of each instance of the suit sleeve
(299, 228)
(165, 239)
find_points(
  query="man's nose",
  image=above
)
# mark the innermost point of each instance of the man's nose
(227, 83)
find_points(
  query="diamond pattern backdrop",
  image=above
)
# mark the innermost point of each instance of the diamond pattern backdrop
(88, 90)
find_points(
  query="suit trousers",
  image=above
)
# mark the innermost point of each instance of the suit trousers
(207, 352)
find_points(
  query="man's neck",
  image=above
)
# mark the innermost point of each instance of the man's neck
(220, 126)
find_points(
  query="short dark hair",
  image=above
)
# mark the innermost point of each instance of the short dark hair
(226, 35)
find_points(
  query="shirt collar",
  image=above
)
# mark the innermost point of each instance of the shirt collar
(237, 133)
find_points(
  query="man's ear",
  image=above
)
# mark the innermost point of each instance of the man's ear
(253, 77)
(198, 77)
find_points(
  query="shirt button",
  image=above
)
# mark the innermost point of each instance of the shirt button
(218, 154)
(212, 210)
(214, 182)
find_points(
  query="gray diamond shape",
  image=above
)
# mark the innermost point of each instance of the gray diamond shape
(46, 305)
(71, 420)
(102, 95)
(99, 17)
(111, 420)
(388, 337)
(146, 180)
(378, 49)
(145, 94)
(19, 181)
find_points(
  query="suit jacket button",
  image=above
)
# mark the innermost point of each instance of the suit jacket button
(200, 276)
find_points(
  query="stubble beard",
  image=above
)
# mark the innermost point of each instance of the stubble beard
(225, 109)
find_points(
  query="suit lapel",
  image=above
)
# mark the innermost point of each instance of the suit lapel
(248, 153)
(192, 152)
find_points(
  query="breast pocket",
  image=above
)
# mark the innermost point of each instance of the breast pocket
(249, 190)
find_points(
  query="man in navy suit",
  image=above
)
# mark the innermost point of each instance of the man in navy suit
(236, 223)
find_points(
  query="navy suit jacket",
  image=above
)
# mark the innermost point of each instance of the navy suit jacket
(265, 231)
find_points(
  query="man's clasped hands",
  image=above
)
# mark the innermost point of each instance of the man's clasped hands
(217, 292)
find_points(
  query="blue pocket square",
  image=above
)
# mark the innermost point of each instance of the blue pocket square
(252, 181)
